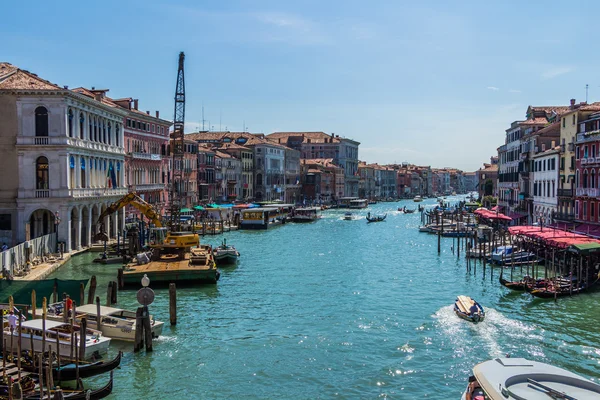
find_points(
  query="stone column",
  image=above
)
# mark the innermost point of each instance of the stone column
(89, 226)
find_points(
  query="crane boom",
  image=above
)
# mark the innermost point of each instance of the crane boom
(177, 150)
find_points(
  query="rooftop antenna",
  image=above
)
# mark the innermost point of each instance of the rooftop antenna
(586, 92)
(202, 116)
(220, 130)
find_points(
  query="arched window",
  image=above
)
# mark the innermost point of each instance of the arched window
(41, 121)
(117, 135)
(41, 173)
(109, 140)
(70, 116)
(585, 179)
(577, 179)
(118, 174)
(81, 125)
(72, 172)
(104, 132)
(90, 129)
(593, 179)
(95, 129)
(83, 172)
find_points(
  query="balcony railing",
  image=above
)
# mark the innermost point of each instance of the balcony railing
(97, 192)
(41, 140)
(590, 136)
(589, 192)
(146, 156)
(564, 217)
(149, 186)
(565, 192)
(42, 193)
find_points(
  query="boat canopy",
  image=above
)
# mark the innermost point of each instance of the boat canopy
(91, 309)
(552, 236)
(37, 324)
(492, 215)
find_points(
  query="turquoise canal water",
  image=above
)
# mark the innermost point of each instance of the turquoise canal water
(343, 309)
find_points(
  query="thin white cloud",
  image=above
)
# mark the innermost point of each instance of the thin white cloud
(514, 91)
(553, 72)
(493, 88)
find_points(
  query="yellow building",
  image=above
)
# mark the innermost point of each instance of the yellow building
(568, 133)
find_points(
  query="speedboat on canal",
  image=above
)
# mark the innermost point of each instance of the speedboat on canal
(348, 216)
(518, 378)
(33, 331)
(506, 255)
(115, 323)
(225, 254)
(468, 309)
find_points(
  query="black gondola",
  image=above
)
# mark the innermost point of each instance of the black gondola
(377, 218)
(75, 394)
(68, 372)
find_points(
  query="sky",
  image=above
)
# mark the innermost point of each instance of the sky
(431, 83)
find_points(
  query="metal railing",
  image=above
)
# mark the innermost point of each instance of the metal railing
(42, 193)
(590, 192)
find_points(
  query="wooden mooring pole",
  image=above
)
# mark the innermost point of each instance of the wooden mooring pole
(92, 292)
(172, 304)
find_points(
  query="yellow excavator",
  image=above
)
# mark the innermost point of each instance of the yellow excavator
(160, 237)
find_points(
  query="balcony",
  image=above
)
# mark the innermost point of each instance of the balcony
(146, 156)
(67, 141)
(590, 136)
(97, 192)
(565, 192)
(42, 194)
(143, 187)
(564, 217)
(587, 192)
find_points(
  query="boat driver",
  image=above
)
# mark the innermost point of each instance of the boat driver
(474, 309)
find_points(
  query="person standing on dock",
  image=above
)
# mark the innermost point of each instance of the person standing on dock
(68, 305)
(12, 320)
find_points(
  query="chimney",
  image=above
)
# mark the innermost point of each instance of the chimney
(66, 86)
(135, 104)
(543, 146)
(157, 114)
(93, 88)
(147, 112)
(553, 144)
(572, 103)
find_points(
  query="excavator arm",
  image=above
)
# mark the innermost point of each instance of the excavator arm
(134, 200)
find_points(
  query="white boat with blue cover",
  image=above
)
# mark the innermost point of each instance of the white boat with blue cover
(518, 379)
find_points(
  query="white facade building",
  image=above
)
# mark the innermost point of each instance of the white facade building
(64, 153)
(545, 185)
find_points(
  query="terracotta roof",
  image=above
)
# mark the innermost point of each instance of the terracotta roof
(490, 168)
(223, 154)
(550, 129)
(86, 92)
(315, 137)
(535, 121)
(14, 78)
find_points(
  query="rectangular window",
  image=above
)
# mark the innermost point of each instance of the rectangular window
(584, 209)
(577, 153)
(5, 222)
(593, 150)
(592, 211)
(573, 119)
(563, 122)
(585, 151)
(562, 163)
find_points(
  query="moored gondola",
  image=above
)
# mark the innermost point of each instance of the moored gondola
(68, 372)
(377, 218)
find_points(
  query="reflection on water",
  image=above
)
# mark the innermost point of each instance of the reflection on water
(345, 309)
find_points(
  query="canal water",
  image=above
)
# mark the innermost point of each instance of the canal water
(343, 309)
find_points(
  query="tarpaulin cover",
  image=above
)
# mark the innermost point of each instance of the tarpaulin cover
(21, 290)
(552, 236)
(492, 215)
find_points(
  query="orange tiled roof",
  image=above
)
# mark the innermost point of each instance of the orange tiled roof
(14, 78)
(535, 121)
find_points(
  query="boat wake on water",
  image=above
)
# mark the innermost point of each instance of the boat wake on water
(498, 335)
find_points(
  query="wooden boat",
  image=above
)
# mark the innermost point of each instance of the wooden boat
(558, 287)
(407, 210)
(518, 378)
(115, 323)
(225, 254)
(32, 331)
(84, 394)
(377, 218)
(462, 308)
(309, 214)
(348, 216)
(68, 372)
(523, 285)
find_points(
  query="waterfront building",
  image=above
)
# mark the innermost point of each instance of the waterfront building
(206, 174)
(230, 174)
(311, 145)
(403, 181)
(587, 173)
(545, 184)
(293, 189)
(470, 179)
(65, 152)
(569, 129)
(322, 180)
(187, 189)
(366, 183)
(487, 178)
(246, 156)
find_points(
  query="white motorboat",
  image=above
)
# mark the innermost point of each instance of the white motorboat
(518, 378)
(509, 254)
(417, 199)
(115, 323)
(348, 216)
(32, 330)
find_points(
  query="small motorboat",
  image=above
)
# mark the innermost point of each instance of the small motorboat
(518, 378)
(468, 309)
(225, 254)
(348, 216)
(376, 218)
(418, 199)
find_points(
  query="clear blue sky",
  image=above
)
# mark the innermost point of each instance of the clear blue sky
(433, 83)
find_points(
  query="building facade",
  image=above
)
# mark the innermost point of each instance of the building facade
(66, 151)
(545, 185)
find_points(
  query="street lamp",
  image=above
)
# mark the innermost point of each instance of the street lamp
(145, 281)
